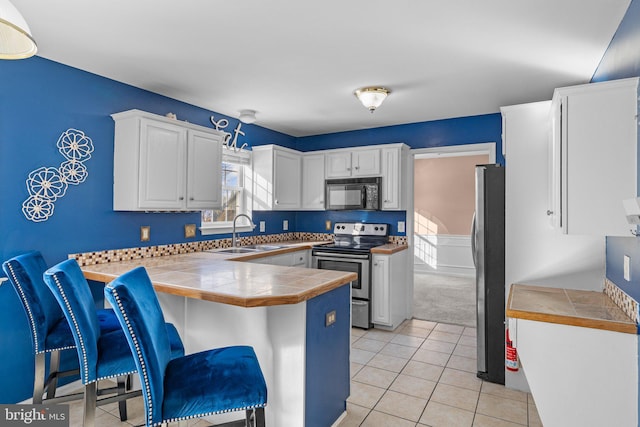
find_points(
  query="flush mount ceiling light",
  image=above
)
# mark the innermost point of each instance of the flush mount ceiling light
(372, 96)
(247, 116)
(15, 37)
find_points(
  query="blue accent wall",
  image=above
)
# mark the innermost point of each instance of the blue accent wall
(40, 100)
(327, 376)
(438, 133)
(622, 58)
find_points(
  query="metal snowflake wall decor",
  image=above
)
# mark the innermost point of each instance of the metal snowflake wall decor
(47, 184)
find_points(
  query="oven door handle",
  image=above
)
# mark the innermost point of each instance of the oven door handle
(358, 302)
(334, 256)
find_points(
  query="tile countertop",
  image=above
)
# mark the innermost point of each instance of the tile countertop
(389, 249)
(210, 276)
(589, 309)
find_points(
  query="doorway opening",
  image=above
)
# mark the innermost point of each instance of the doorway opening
(439, 231)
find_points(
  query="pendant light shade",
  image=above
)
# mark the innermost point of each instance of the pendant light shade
(372, 96)
(15, 37)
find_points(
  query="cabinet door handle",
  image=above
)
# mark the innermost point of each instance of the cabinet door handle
(277, 202)
(357, 167)
(181, 198)
(348, 169)
(549, 212)
(191, 198)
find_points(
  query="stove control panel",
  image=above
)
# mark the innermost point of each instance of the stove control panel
(360, 229)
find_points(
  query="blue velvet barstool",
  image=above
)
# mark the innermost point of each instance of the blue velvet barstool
(49, 328)
(194, 386)
(102, 355)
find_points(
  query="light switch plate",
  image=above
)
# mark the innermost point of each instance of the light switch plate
(285, 225)
(145, 233)
(627, 268)
(400, 226)
(262, 226)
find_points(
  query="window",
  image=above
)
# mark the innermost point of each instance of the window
(235, 167)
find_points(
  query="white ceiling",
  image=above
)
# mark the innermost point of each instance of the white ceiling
(298, 62)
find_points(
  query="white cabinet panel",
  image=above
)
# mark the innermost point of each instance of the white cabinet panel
(313, 181)
(276, 178)
(348, 163)
(204, 178)
(594, 156)
(393, 160)
(389, 289)
(163, 164)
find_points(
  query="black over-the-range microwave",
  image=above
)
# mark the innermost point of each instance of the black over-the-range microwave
(352, 194)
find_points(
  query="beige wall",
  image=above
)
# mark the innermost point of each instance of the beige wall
(444, 194)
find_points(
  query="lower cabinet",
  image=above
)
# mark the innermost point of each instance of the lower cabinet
(290, 259)
(389, 289)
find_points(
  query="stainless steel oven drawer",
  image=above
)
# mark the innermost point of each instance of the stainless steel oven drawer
(360, 313)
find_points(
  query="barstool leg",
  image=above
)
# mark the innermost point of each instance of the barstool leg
(38, 380)
(122, 389)
(259, 420)
(90, 396)
(54, 370)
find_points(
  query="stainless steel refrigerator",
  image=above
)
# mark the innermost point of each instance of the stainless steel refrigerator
(488, 246)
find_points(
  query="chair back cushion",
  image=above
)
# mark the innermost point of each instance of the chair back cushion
(135, 302)
(71, 290)
(43, 312)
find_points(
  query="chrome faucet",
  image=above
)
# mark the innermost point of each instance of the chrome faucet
(233, 236)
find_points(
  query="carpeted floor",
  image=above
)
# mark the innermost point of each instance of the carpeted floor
(444, 298)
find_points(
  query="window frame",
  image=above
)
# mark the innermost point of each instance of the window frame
(244, 159)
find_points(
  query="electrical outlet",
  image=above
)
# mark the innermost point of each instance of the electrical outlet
(330, 318)
(145, 233)
(285, 225)
(627, 271)
(189, 231)
(262, 226)
(400, 226)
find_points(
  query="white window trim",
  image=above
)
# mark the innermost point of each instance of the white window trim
(227, 226)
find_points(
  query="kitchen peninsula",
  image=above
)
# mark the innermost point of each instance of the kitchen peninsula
(297, 320)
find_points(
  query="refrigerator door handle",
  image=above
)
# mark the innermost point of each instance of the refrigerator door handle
(473, 239)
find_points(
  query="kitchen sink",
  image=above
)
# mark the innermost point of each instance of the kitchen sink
(264, 247)
(242, 250)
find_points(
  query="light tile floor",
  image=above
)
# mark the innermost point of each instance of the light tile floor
(424, 374)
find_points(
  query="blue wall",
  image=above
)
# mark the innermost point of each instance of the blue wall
(40, 100)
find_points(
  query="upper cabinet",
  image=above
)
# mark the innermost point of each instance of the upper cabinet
(394, 177)
(276, 178)
(353, 162)
(593, 157)
(164, 164)
(313, 181)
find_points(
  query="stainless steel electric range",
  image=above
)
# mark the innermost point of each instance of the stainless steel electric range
(351, 251)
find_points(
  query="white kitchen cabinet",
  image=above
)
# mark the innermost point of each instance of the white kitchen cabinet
(347, 163)
(276, 178)
(164, 164)
(394, 177)
(593, 157)
(388, 289)
(313, 181)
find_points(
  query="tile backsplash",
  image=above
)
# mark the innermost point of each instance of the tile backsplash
(127, 254)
